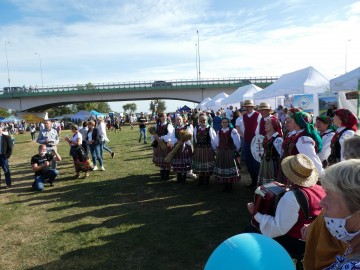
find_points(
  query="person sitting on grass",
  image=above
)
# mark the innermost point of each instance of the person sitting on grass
(41, 165)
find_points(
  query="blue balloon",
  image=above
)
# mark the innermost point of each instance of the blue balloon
(249, 251)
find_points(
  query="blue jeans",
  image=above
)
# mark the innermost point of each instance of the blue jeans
(51, 174)
(95, 154)
(104, 147)
(143, 131)
(4, 163)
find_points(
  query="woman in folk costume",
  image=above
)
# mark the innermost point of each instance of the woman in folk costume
(306, 140)
(162, 136)
(203, 159)
(270, 161)
(288, 137)
(346, 122)
(182, 161)
(324, 126)
(228, 144)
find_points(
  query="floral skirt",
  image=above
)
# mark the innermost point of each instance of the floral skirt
(203, 160)
(182, 160)
(226, 169)
(269, 170)
(158, 157)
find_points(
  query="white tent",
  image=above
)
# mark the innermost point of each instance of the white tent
(343, 84)
(303, 81)
(241, 94)
(82, 115)
(349, 81)
(215, 103)
(202, 104)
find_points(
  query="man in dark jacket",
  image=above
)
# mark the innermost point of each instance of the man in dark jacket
(5, 153)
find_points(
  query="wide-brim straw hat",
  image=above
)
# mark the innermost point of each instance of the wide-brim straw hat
(264, 106)
(300, 170)
(248, 103)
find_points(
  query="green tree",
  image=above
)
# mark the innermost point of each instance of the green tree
(97, 106)
(80, 87)
(4, 112)
(60, 110)
(157, 106)
(130, 107)
(89, 86)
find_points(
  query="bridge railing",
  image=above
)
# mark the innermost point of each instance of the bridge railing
(142, 85)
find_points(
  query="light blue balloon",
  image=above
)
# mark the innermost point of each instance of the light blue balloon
(249, 251)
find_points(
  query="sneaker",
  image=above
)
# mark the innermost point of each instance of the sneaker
(145, 142)
(95, 168)
(112, 154)
(102, 168)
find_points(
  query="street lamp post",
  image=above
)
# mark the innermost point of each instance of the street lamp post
(198, 51)
(7, 63)
(42, 81)
(346, 52)
(196, 60)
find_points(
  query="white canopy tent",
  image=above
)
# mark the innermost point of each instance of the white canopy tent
(202, 105)
(343, 84)
(349, 81)
(82, 115)
(241, 94)
(12, 119)
(303, 81)
(215, 103)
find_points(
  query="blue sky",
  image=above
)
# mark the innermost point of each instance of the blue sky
(131, 40)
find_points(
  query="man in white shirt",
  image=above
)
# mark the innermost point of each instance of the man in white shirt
(246, 126)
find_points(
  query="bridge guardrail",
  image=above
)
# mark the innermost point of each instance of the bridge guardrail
(214, 82)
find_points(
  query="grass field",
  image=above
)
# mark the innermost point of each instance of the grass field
(121, 218)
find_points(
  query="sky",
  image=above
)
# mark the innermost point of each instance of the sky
(147, 40)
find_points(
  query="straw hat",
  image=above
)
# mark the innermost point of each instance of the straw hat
(264, 106)
(248, 103)
(300, 170)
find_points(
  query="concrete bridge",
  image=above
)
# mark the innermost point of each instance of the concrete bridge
(44, 98)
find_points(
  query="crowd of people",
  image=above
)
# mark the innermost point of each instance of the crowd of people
(315, 163)
(307, 159)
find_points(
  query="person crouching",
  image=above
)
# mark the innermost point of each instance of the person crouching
(41, 165)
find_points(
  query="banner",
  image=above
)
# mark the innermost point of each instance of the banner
(326, 101)
(305, 102)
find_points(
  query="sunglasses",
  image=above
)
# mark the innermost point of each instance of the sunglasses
(202, 121)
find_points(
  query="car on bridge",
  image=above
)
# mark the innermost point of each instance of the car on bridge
(13, 89)
(161, 84)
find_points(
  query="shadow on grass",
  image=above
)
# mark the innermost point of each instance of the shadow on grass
(177, 226)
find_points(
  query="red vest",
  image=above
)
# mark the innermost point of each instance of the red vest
(250, 124)
(314, 195)
(262, 127)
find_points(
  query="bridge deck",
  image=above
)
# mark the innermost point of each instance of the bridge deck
(137, 86)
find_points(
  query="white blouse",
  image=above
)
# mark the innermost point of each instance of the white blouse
(189, 129)
(346, 135)
(326, 142)
(234, 135)
(306, 145)
(166, 137)
(212, 135)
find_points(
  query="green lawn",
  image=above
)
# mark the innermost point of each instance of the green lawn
(122, 218)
